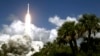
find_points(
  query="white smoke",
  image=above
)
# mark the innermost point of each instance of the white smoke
(13, 36)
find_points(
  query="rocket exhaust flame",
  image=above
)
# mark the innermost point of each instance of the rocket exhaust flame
(27, 22)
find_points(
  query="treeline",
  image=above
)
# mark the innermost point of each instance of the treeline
(66, 42)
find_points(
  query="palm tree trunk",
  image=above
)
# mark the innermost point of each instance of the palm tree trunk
(89, 38)
(89, 33)
(75, 44)
(72, 47)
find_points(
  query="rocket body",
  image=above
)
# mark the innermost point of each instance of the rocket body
(28, 8)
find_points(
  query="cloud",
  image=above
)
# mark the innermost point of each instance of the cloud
(58, 21)
(97, 35)
(16, 27)
(53, 35)
(71, 19)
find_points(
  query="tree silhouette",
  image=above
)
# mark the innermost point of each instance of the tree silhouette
(68, 33)
(91, 24)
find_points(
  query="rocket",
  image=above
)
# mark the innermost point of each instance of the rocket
(28, 21)
(28, 9)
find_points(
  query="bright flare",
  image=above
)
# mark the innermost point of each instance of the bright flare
(28, 22)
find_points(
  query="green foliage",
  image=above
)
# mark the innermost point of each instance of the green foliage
(68, 33)
(53, 49)
(89, 21)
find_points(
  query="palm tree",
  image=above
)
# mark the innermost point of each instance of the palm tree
(80, 30)
(91, 24)
(67, 33)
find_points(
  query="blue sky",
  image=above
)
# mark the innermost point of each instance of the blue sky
(42, 10)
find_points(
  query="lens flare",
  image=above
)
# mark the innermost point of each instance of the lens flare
(27, 22)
